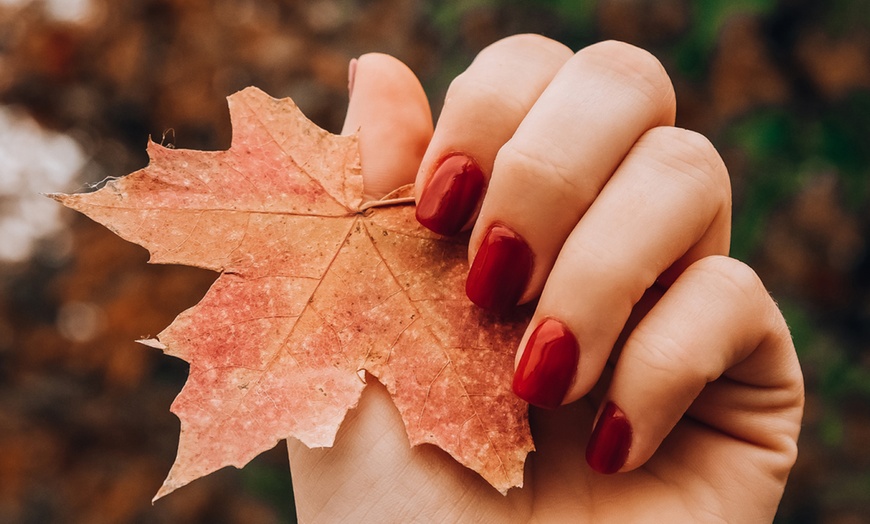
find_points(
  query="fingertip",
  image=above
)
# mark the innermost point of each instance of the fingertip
(390, 111)
(546, 367)
(610, 443)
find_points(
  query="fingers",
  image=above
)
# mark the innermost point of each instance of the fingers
(389, 109)
(483, 108)
(715, 322)
(558, 160)
(669, 200)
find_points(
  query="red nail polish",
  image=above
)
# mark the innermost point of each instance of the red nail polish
(547, 366)
(500, 271)
(451, 196)
(611, 439)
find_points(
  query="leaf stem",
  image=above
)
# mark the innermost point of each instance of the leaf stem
(387, 202)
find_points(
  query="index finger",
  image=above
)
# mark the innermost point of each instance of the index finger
(483, 108)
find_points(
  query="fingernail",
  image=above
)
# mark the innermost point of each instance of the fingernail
(611, 439)
(351, 75)
(547, 365)
(500, 271)
(451, 195)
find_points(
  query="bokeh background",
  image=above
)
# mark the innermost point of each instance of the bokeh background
(779, 86)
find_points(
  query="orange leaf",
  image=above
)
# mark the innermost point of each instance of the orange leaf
(316, 289)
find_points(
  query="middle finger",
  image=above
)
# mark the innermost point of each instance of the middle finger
(552, 169)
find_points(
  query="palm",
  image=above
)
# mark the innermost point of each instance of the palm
(698, 475)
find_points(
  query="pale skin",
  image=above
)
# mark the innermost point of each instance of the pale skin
(628, 219)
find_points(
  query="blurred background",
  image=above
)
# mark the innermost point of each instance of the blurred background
(779, 86)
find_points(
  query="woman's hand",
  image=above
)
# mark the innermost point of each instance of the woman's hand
(580, 193)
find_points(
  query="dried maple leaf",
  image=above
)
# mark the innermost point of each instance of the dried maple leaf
(316, 288)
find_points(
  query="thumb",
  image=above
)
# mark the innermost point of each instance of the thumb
(389, 109)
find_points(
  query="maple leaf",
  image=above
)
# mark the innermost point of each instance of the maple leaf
(316, 288)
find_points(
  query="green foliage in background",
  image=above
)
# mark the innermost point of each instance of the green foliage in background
(692, 51)
(785, 146)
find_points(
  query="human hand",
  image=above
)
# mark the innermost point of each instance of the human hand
(580, 193)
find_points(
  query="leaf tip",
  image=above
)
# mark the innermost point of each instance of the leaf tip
(58, 197)
(152, 343)
(74, 201)
(166, 488)
(162, 492)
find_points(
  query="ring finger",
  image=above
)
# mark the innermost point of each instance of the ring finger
(668, 205)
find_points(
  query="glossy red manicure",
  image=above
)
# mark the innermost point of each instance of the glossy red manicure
(547, 366)
(611, 439)
(500, 271)
(451, 196)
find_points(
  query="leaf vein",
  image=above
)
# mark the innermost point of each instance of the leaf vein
(449, 362)
(289, 156)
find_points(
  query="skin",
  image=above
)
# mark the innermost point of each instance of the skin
(628, 220)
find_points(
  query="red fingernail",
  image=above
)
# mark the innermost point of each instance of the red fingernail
(547, 366)
(611, 439)
(451, 196)
(500, 271)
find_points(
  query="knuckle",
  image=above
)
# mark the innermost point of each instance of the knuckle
(528, 166)
(525, 54)
(633, 67)
(732, 278)
(689, 155)
(660, 353)
(480, 91)
(527, 41)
